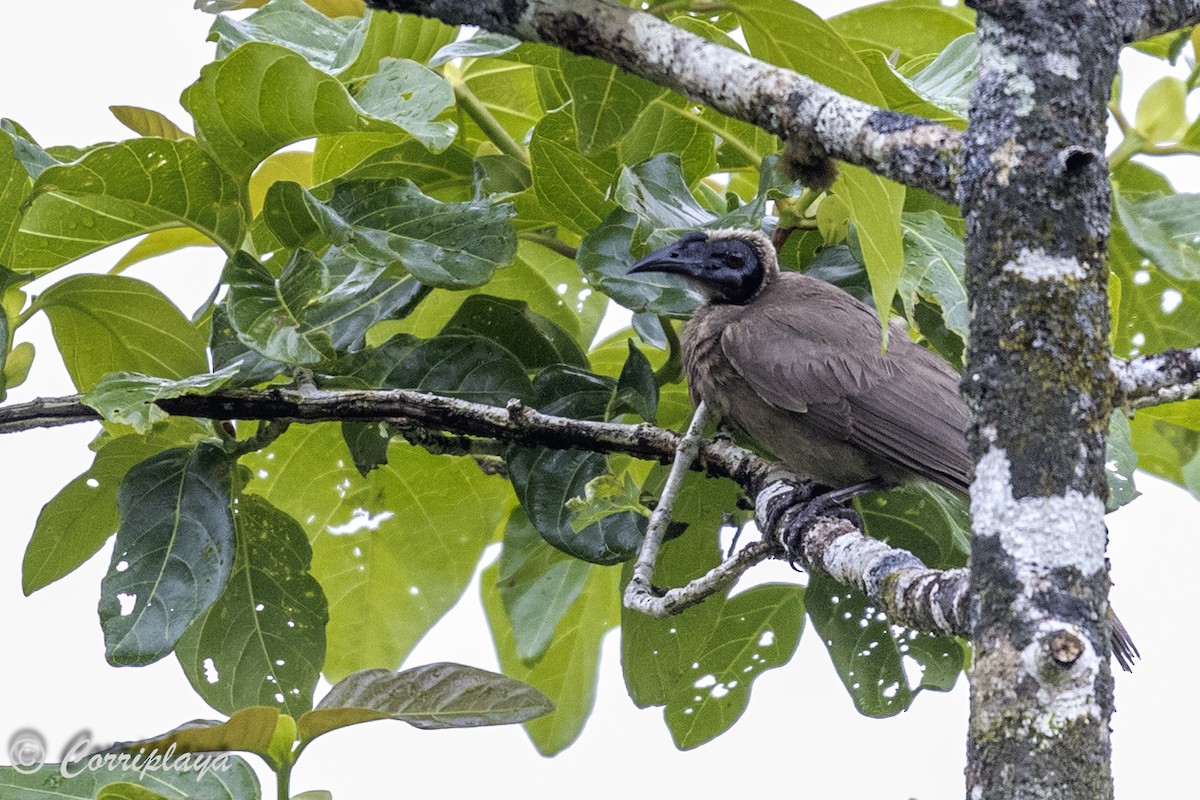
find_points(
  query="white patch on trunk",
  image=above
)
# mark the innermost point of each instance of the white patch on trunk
(1064, 65)
(1070, 694)
(1070, 527)
(1037, 265)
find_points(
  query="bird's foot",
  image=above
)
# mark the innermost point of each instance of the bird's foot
(791, 515)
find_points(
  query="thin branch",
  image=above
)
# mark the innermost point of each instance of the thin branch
(1165, 377)
(640, 594)
(911, 150)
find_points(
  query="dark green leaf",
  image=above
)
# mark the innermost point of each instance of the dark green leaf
(470, 367)
(269, 314)
(538, 584)
(263, 641)
(534, 340)
(754, 631)
(871, 657)
(228, 350)
(571, 392)
(430, 697)
(173, 552)
(1120, 461)
(368, 444)
(451, 245)
(637, 391)
(98, 331)
(927, 520)
(545, 480)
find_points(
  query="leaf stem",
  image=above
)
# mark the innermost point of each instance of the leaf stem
(672, 370)
(477, 111)
(549, 242)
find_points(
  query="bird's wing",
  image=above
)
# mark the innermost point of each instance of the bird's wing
(824, 362)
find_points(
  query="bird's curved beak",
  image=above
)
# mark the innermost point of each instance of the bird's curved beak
(673, 259)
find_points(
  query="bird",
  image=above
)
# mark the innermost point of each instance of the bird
(796, 365)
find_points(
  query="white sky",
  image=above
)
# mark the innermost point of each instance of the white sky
(64, 62)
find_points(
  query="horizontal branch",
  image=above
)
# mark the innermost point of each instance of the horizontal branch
(892, 578)
(811, 117)
(1153, 380)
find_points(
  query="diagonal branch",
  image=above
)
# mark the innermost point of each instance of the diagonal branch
(1146, 18)
(813, 118)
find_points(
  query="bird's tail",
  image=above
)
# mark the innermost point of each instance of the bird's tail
(1123, 648)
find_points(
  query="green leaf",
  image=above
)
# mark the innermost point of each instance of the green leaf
(870, 656)
(110, 323)
(1151, 315)
(571, 186)
(545, 480)
(637, 390)
(249, 730)
(1167, 442)
(605, 101)
(567, 671)
(535, 340)
(754, 631)
(412, 96)
(78, 520)
(128, 791)
(538, 585)
(482, 44)
(875, 204)
(928, 520)
(469, 367)
(389, 35)
(368, 444)
(934, 268)
(1120, 461)
(430, 697)
(145, 122)
(915, 29)
(785, 33)
(15, 185)
(122, 190)
(127, 398)
(604, 496)
(173, 552)
(263, 641)
(1161, 116)
(219, 777)
(1166, 230)
(393, 551)
(263, 96)
(268, 314)
(950, 79)
(229, 351)
(451, 245)
(291, 23)
(161, 242)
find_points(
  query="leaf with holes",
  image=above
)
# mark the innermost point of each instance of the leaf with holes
(173, 552)
(263, 641)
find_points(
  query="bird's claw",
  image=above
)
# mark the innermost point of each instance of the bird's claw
(790, 522)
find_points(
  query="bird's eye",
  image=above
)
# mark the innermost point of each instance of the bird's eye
(735, 260)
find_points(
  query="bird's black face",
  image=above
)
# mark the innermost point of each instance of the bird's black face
(725, 270)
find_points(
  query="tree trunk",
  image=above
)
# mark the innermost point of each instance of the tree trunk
(1035, 194)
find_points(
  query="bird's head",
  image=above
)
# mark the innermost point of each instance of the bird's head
(729, 265)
